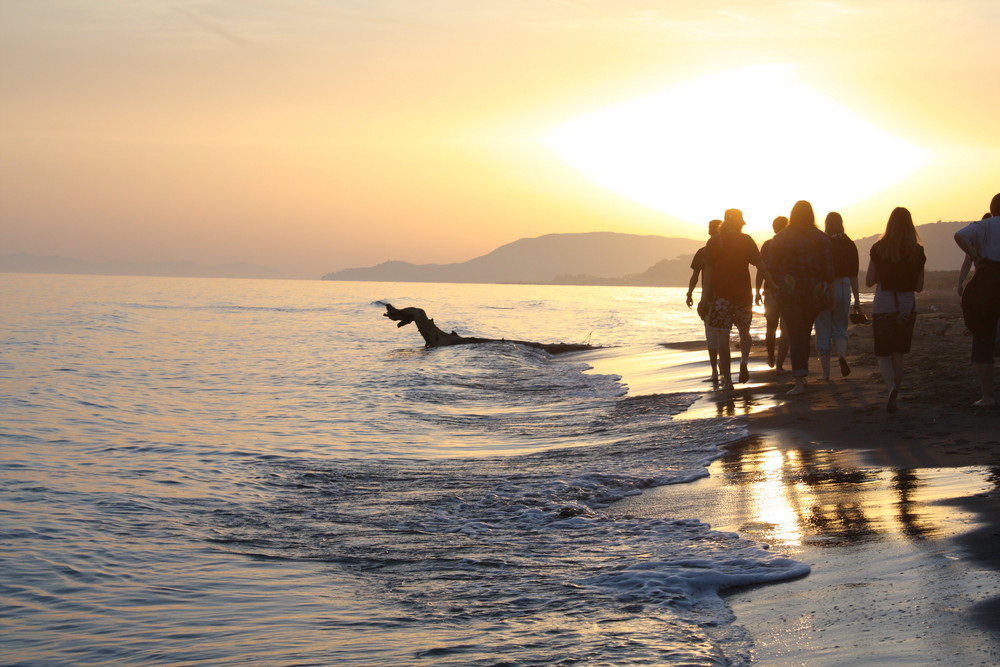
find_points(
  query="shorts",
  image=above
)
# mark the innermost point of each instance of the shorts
(890, 336)
(723, 314)
(981, 310)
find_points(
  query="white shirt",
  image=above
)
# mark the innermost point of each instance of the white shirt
(984, 236)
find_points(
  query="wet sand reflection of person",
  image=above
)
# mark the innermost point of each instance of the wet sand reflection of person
(816, 496)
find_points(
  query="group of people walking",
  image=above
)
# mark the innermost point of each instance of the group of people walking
(807, 280)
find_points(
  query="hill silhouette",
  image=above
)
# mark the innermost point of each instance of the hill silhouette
(609, 258)
(593, 257)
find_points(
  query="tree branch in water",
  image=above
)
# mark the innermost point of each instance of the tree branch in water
(434, 337)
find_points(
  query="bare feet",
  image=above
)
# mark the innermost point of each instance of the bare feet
(890, 405)
(845, 370)
(744, 373)
(727, 386)
(799, 388)
(770, 360)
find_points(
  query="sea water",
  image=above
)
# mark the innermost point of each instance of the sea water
(198, 471)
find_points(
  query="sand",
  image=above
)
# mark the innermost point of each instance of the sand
(897, 514)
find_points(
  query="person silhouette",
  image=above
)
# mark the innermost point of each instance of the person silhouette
(831, 325)
(730, 254)
(772, 312)
(698, 264)
(896, 268)
(980, 241)
(801, 263)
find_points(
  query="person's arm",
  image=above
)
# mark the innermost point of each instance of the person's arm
(691, 285)
(762, 275)
(920, 281)
(855, 264)
(963, 274)
(706, 282)
(871, 276)
(967, 246)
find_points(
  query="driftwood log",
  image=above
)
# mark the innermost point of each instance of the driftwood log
(434, 337)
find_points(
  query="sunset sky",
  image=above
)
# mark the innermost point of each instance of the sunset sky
(317, 135)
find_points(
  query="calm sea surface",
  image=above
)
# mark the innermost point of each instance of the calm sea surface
(200, 471)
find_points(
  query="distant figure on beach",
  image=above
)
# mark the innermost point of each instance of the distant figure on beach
(772, 311)
(981, 298)
(727, 280)
(831, 325)
(896, 268)
(802, 265)
(698, 265)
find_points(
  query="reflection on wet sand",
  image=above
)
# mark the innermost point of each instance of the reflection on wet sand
(823, 497)
(791, 497)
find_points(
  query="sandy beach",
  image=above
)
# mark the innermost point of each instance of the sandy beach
(897, 514)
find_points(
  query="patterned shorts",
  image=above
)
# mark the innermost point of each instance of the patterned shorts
(724, 314)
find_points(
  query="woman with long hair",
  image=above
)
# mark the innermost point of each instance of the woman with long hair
(831, 325)
(896, 269)
(801, 263)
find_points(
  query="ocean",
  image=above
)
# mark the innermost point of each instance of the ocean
(208, 471)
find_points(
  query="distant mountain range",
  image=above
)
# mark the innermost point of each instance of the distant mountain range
(594, 258)
(25, 263)
(588, 258)
(608, 258)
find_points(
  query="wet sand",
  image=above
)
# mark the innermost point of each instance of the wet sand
(897, 514)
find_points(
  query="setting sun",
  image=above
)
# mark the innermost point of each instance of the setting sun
(752, 138)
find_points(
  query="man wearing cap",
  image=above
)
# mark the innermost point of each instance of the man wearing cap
(727, 279)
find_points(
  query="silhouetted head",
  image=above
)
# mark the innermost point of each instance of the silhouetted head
(995, 204)
(900, 239)
(779, 223)
(802, 216)
(834, 223)
(732, 221)
(713, 227)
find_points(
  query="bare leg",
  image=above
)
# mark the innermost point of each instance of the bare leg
(725, 361)
(770, 337)
(713, 358)
(782, 353)
(824, 362)
(746, 342)
(985, 373)
(887, 366)
(840, 346)
(799, 388)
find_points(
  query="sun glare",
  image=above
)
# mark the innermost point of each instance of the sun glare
(754, 139)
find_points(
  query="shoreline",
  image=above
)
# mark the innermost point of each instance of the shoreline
(897, 514)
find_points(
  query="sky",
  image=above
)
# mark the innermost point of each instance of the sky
(318, 135)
